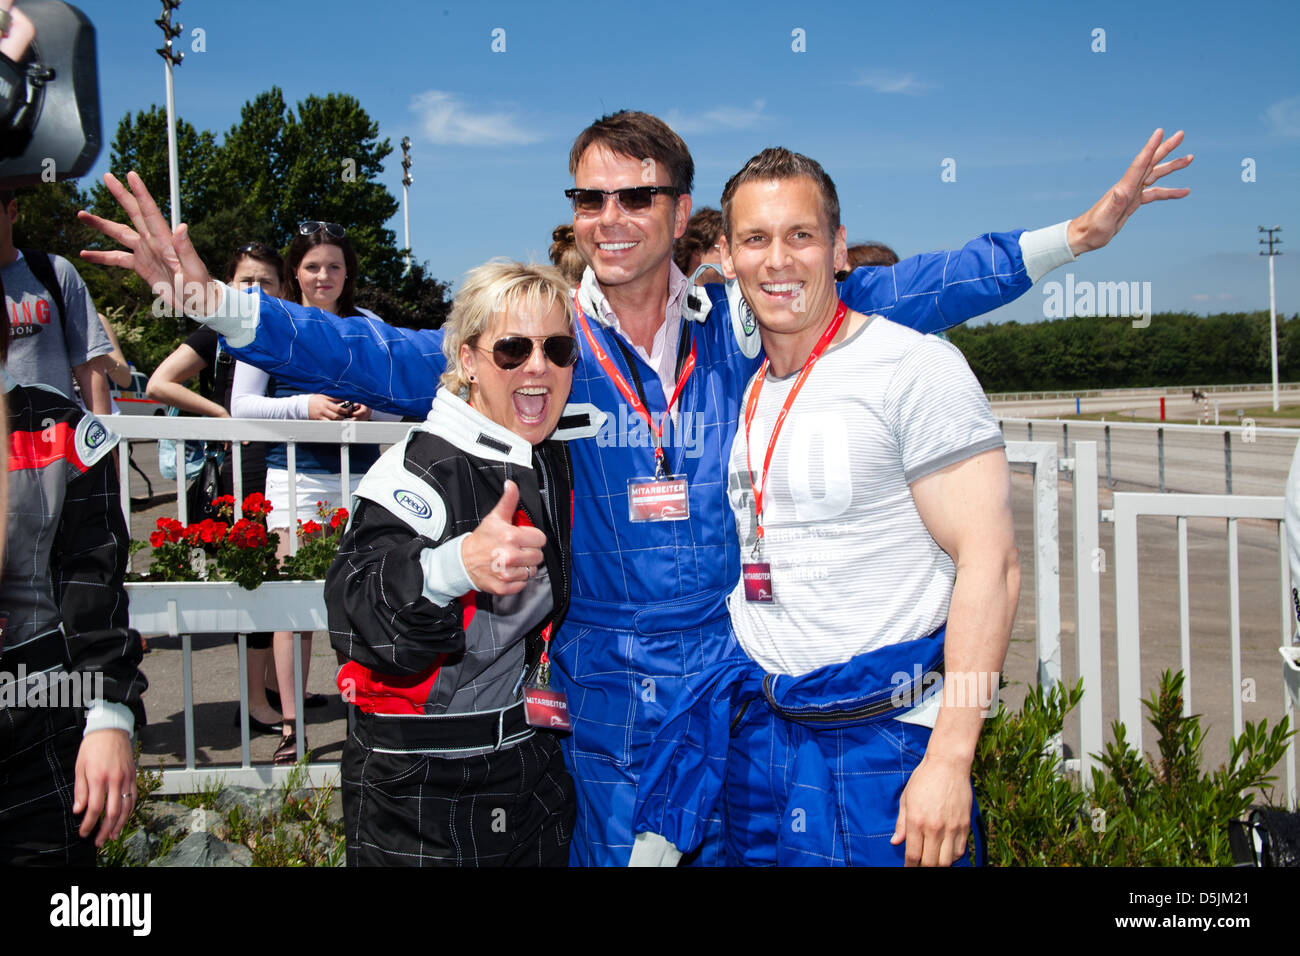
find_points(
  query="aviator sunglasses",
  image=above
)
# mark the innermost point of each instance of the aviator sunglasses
(514, 350)
(311, 227)
(632, 199)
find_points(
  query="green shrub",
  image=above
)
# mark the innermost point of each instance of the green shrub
(1139, 811)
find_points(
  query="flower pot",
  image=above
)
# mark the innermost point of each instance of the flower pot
(201, 607)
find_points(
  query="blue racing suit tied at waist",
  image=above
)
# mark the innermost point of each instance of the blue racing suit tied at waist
(682, 782)
(698, 610)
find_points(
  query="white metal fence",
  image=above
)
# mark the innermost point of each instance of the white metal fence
(1206, 459)
(154, 612)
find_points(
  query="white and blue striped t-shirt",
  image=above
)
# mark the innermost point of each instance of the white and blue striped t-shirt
(853, 566)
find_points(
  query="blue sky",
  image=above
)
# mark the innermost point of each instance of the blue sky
(1037, 123)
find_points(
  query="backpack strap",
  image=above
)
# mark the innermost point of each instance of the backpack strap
(42, 266)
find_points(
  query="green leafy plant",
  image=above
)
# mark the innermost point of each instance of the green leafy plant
(1140, 810)
(318, 542)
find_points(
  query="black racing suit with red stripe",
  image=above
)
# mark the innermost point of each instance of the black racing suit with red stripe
(441, 768)
(69, 664)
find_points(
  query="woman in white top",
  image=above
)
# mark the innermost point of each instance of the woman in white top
(320, 272)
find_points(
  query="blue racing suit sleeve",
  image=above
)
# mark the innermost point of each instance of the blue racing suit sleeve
(357, 358)
(937, 290)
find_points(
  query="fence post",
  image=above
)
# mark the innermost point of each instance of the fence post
(1227, 459)
(1160, 446)
(1110, 482)
(1030, 427)
(1065, 439)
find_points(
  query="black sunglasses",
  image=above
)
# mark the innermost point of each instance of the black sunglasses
(311, 227)
(514, 350)
(632, 199)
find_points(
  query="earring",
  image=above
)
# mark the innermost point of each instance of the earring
(473, 379)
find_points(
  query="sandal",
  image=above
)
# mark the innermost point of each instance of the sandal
(287, 752)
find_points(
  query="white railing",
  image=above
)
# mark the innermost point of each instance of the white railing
(1201, 458)
(1137, 391)
(1128, 507)
(180, 610)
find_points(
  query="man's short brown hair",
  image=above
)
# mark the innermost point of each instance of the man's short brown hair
(701, 235)
(777, 163)
(640, 136)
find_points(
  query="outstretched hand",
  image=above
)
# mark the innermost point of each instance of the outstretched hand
(163, 258)
(1098, 225)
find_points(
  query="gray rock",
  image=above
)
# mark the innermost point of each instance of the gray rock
(165, 817)
(207, 821)
(252, 804)
(136, 848)
(240, 854)
(201, 848)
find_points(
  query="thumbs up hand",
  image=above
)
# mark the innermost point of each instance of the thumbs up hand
(499, 557)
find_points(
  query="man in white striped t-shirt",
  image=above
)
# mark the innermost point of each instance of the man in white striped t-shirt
(889, 476)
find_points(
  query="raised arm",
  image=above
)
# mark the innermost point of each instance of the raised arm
(937, 290)
(395, 370)
(357, 358)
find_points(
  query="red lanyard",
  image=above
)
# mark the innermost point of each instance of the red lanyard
(752, 406)
(630, 394)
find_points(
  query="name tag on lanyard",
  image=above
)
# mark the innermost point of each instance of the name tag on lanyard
(658, 499)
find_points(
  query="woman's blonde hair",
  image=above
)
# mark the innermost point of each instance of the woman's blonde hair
(489, 290)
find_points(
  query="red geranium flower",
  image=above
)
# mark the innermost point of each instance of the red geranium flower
(158, 539)
(256, 504)
(308, 527)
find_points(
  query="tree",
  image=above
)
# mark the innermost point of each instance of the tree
(418, 301)
(141, 145)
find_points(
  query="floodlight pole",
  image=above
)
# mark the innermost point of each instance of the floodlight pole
(406, 197)
(1272, 300)
(170, 59)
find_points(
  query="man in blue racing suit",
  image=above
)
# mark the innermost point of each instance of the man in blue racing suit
(654, 542)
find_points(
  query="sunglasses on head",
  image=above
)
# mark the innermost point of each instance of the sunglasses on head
(514, 350)
(311, 227)
(632, 199)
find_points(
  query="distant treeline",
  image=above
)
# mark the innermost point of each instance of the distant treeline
(1175, 349)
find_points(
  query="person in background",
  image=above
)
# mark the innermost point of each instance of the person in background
(254, 265)
(115, 365)
(565, 255)
(56, 336)
(320, 272)
(867, 254)
(64, 634)
(700, 245)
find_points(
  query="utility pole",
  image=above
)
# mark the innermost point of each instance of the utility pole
(406, 196)
(1272, 301)
(170, 32)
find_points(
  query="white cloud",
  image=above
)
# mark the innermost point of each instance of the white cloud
(719, 119)
(447, 120)
(882, 82)
(1284, 117)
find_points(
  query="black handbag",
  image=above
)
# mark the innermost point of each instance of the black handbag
(206, 486)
